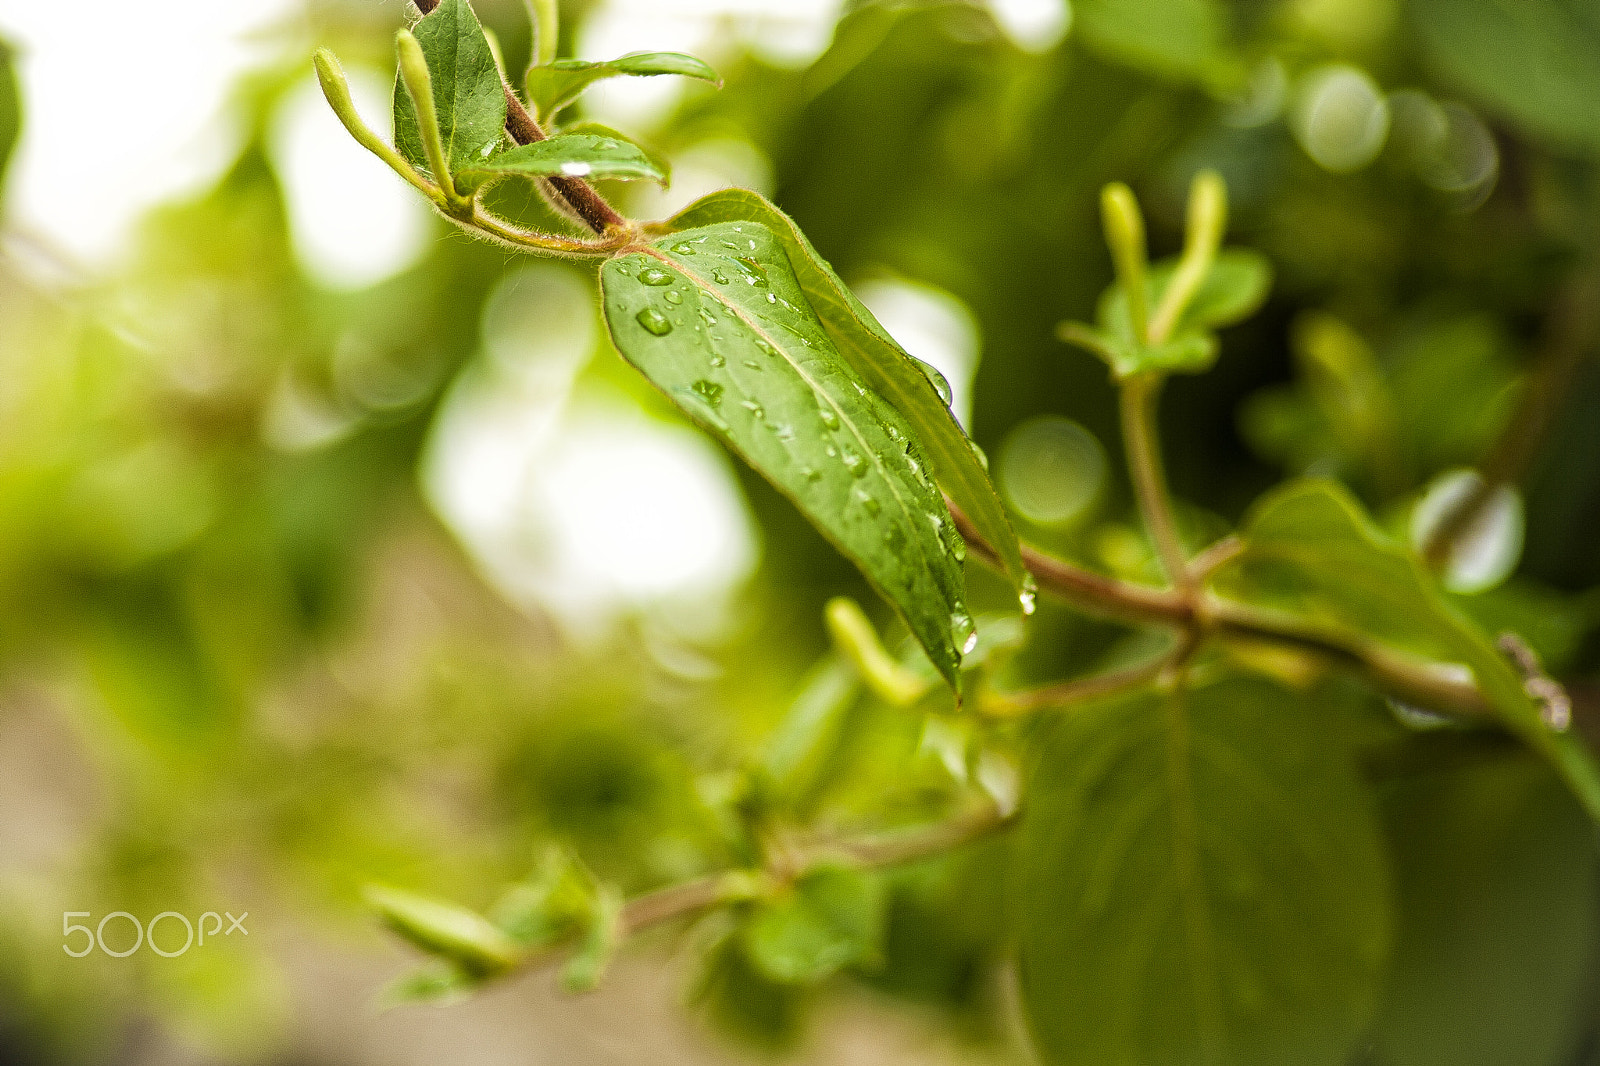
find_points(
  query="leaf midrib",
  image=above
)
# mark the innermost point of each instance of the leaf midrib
(845, 419)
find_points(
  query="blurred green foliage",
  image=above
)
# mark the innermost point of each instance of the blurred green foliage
(256, 668)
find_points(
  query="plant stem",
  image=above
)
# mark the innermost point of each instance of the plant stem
(1138, 399)
(1069, 693)
(1208, 217)
(577, 194)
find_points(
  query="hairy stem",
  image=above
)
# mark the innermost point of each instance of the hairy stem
(575, 193)
(1138, 397)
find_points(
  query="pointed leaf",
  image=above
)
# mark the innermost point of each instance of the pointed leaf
(553, 87)
(661, 162)
(716, 319)
(1310, 551)
(467, 89)
(464, 937)
(886, 367)
(573, 155)
(1202, 881)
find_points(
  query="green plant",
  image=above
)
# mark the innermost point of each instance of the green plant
(1194, 862)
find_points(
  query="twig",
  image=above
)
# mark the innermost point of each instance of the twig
(1070, 693)
(579, 195)
(1138, 397)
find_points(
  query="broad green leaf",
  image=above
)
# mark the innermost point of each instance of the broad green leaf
(553, 87)
(1233, 290)
(10, 107)
(1310, 552)
(716, 319)
(467, 89)
(747, 1004)
(1202, 882)
(1174, 38)
(1537, 63)
(659, 161)
(1498, 881)
(829, 919)
(572, 155)
(462, 936)
(886, 367)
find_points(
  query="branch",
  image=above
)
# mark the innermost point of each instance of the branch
(1078, 690)
(576, 193)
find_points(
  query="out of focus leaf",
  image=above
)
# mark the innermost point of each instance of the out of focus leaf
(10, 108)
(826, 921)
(746, 1003)
(584, 970)
(1498, 880)
(1202, 881)
(1311, 552)
(572, 155)
(1173, 38)
(798, 754)
(553, 87)
(897, 376)
(1536, 62)
(439, 985)
(462, 936)
(716, 319)
(467, 90)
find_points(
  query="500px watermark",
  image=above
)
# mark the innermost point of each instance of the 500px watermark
(145, 935)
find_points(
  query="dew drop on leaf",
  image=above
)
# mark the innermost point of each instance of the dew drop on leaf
(854, 462)
(810, 473)
(718, 361)
(753, 365)
(655, 276)
(709, 391)
(756, 410)
(719, 277)
(654, 322)
(829, 419)
(868, 501)
(683, 248)
(674, 297)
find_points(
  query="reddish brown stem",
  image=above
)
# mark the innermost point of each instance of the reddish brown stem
(576, 193)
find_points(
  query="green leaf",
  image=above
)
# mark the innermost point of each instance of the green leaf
(887, 368)
(747, 1004)
(1180, 39)
(716, 319)
(659, 161)
(462, 936)
(573, 155)
(1202, 881)
(829, 919)
(467, 89)
(1536, 63)
(1310, 552)
(10, 107)
(1497, 873)
(797, 757)
(587, 966)
(439, 985)
(553, 87)
(1233, 289)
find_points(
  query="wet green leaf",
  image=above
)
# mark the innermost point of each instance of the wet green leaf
(1312, 553)
(828, 920)
(716, 319)
(1202, 881)
(440, 928)
(467, 89)
(886, 367)
(572, 155)
(553, 87)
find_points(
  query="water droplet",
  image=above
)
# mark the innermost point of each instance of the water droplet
(709, 391)
(963, 632)
(718, 361)
(709, 318)
(894, 537)
(771, 299)
(655, 276)
(673, 296)
(829, 419)
(936, 379)
(854, 462)
(868, 501)
(766, 348)
(784, 431)
(833, 453)
(757, 275)
(894, 434)
(719, 277)
(654, 322)
(810, 474)
(751, 364)
(756, 410)
(606, 145)
(683, 248)
(576, 169)
(1029, 596)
